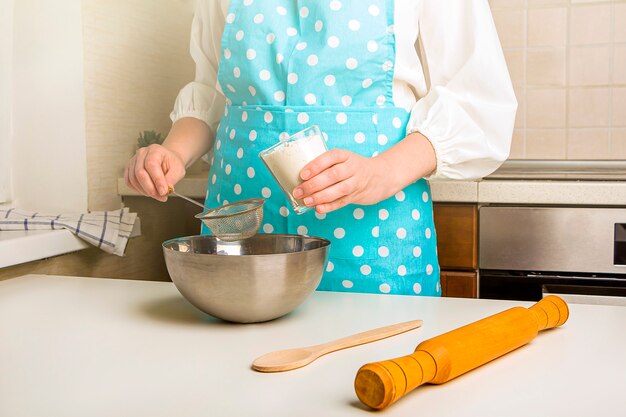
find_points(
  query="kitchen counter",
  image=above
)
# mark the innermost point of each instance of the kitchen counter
(517, 182)
(73, 346)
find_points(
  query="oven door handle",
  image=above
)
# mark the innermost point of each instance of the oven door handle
(577, 294)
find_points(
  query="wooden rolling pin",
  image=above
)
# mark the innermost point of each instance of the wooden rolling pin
(442, 358)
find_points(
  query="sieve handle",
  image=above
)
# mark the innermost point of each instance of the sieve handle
(171, 191)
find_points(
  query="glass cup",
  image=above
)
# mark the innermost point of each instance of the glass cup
(286, 159)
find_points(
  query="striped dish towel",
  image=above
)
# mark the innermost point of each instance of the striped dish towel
(107, 230)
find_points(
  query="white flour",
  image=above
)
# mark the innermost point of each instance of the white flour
(287, 161)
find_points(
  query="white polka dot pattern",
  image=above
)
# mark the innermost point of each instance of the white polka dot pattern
(279, 96)
(358, 251)
(333, 42)
(320, 216)
(303, 118)
(310, 99)
(372, 46)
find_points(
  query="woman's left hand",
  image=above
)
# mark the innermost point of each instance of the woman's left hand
(340, 177)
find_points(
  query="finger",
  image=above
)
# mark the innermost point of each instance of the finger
(153, 165)
(133, 169)
(331, 194)
(174, 172)
(131, 176)
(143, 177)
(334, 205)
(323, 162)
(333, 175)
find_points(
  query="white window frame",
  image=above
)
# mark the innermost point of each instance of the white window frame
(48, 146)
(43, 164)
(6, 93)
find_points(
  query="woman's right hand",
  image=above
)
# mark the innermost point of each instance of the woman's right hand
(153, 169)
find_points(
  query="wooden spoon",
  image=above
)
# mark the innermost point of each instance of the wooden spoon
(286, 360)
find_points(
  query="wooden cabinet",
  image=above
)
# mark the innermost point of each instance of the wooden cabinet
(457, 245)
(459, 284)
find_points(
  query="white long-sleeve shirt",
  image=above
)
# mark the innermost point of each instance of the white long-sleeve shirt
(450, 73)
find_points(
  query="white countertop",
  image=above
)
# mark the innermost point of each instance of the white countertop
(96, 347)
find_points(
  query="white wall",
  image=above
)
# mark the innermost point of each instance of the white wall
(49, 156)
(136, 61)
(6, 54)
(87, 77)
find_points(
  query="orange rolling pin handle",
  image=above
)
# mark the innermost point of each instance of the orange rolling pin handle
(451, 354)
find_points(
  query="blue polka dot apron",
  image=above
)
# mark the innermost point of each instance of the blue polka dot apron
(289, 64)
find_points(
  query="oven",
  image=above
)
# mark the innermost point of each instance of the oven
(578, 253)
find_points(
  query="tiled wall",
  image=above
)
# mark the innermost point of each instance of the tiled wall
(567, 59)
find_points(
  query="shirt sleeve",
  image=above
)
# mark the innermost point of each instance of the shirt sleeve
(469, 111)
(203, 98)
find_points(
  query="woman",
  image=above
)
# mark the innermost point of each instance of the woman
(403, 92)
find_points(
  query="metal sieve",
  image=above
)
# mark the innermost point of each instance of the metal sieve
(231, 222)
(235, 221)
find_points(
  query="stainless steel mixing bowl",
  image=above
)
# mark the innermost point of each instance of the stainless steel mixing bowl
(247, 281)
